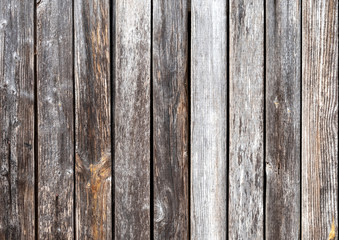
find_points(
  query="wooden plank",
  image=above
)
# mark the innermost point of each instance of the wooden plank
(17, 119)
(319, 118)
(93, 119)
(246, 120)
(170, 119)
(208, 120)
(132, 119)
(283, 66)
(55, 119)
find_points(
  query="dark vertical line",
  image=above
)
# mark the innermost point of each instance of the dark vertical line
(112, 77)
(74, 122)
(264, 127)
(301, 96)
(151, 134)
(189, 115)
(36, 134)
(228, 112)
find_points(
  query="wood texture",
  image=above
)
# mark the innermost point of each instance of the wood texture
(55, 119)
(246, 120)
(132, 119)
(170, 119)
(283, 64)
(208, 120)
(93, 120)
(16, 120)
(319, 118)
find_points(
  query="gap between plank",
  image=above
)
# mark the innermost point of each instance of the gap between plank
(151, 133)
(36, 212)
(112, 77)
(74, 122)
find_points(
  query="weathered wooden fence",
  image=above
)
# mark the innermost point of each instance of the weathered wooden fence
(163, 119)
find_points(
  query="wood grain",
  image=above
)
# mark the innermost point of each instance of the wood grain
(208, 120)
(246, 120)
(319, 118)
(93, 120)
(16, 120)
(132, 119)
(55, 119)
(170, 119)
(283, 28)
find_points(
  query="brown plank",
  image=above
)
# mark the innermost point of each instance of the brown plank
(55, 119)
(93, 120)
(170, 119)
(132, 119)
(208, 119)
(319, 118)
(246, 120)
(17, 120)
(283, 80)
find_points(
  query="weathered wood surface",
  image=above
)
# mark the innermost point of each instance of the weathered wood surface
(283, 64)
(170, 120)
(208, 120)
(93, 119)
(246, 125)
(319, 118)
(132, 119)
(55, 119)
(17, 120)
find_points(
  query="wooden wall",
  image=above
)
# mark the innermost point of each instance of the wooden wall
(154, 119)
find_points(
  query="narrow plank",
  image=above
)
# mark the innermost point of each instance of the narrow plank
(16, 119)
(208, 119)
(170, 119)
(132, 119)
(283, 66)
(246, 119)
(93, 120)
(319, 118)
(55, 119)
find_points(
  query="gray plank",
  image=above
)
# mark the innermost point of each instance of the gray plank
(17, 119)
(170, 119)
(319, 119)
(93, 119)
(283, 80)
(208, 120)
(246, 119)
(55, 119)
(132, 119)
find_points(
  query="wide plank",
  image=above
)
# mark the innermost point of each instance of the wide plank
(246, 149)
(170, 119)
(92, 119)
(132, 128)
(55, 119)
(283, 67)
(319, 119)
(208, 119)
(17, 204)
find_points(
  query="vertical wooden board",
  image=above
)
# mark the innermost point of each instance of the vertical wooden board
(319, 119)
(208, 120)
(132, 119)
(283, 66)
(16, 119)
(246, 119)
(170, 119)
(55, 119)
(93, 119)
